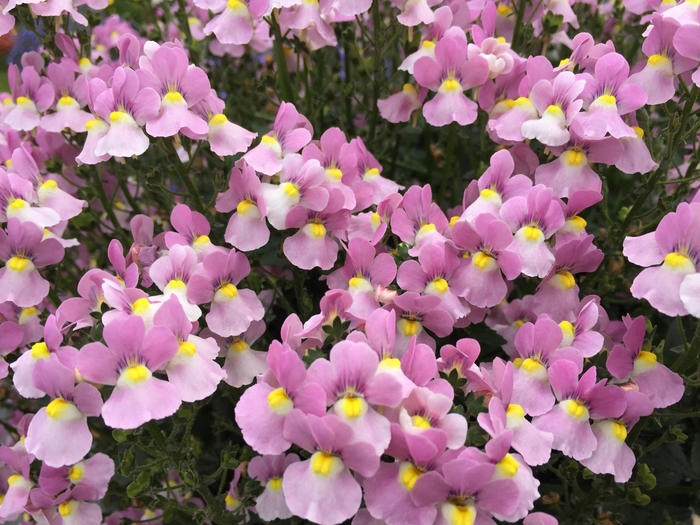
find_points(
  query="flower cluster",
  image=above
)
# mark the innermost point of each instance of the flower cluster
(356, 411)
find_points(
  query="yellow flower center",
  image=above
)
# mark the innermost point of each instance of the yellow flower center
(244, 206)
(451, 85)
(659, 60)
(187, 348)
(118, 116)
(566, 280)
(638, 131)
(290, 189)
(140, 306)
(67, 101)
(228, 291)
(577, 222)
(173, 97)
(137, 373)
(515, 411)
(18, 264)
(575, 409)
(76, 473)
(40, 351)
(275, 483)
(352, 407)
(324, 464)
(619, 430)
(420, 422)
(177, 284)
(17, 204)
(409, 474)
(508, 466)
(279, 401)
(533, 233)
(334, 173)
(567, 329)
(202, 239)
(317, 230)
(239, 346)
(57, 407)
(218, 120)
(409, 327)
(65, 509)
(574, 157)
(483, 261)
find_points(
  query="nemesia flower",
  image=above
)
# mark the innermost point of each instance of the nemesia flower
(533, 444)
(450, 73)
(480, 279)
(608, 96)
(216, 282)
(471, 495)
(628, 362)
(313, 245)
(264, 408)
(353, 386)
(571, 172)
(578, 401)
(415, 12)
(533, 219)
(509, 467)
(192, 370)
(32, 95)
(300, 185)
(225, 137)
(24, 251)
(321, 489)
(127, 106)
(171, 274)
(389, 494)
(538, 347)
(339, 160)
(19, 200)
(423, 410)
(557, 103)
(58, 434)
(658, 78)
(364, 270)
(435, 274)
(243, 364)
(128, 362)
(419, 221)
(93, 473)
(268, 470)
(575, 225)
(496, 185)
(414, 313)
(334, 305)
(675, 244)
(400, 106)
(247, 229)
(612, 455)
(49, 195)
(558, 293)
(71, 97)
(180, 86)
(370, 171)
(19, 483)
(290, 132)
(313, 18)
(234, 24)
(191, 229)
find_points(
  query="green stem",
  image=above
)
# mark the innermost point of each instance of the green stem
(184, 176)
(520, 15)
(106, 204)
(449, 161)
(376, 74)
(689, 360)
(283, 81)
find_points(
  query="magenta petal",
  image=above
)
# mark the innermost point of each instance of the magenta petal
(59, 441)
(326, 500)
(132, 406)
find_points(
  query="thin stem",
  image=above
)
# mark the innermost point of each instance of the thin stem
(376, 74)
(283, 81)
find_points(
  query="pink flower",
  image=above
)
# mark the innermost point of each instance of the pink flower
(128, 362)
